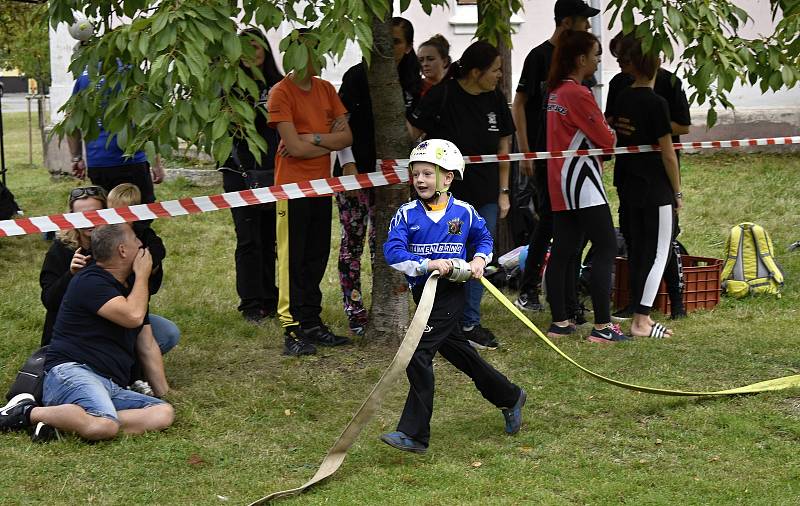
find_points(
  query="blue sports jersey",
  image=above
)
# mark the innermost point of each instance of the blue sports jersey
(97, 153)
(415, 237)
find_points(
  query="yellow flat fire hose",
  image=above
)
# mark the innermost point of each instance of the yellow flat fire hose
(336, 455)
(763, 386)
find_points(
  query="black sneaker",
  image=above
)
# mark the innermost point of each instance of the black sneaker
(254, 315)
(481, 338)
(579, 319)
(677, 311)
(323, 336)
(296, 344)
(623, 314)
(529, 302)
(15, 415)
(43, 433)
(556, 331)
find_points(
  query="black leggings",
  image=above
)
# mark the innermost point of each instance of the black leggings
(569, 229)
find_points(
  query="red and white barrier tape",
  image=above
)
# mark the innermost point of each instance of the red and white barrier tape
(544, 155)
(392, 172)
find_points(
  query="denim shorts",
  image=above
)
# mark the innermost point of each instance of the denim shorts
(74, 383)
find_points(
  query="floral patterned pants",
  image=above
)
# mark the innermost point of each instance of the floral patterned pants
(356, 211)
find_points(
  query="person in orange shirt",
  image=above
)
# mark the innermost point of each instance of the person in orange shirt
(312, 122)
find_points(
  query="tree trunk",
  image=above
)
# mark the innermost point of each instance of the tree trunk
(389, 314)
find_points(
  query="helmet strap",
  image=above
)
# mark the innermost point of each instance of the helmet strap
(439, 188)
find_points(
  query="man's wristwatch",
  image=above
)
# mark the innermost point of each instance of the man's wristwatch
(505, 191)
(317, 139)
(77, 158)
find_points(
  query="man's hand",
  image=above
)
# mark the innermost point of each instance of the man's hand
(526, 166)
(504, 203)
(283, 151)
(157, 171)
(339, 124)
(143, 263)
(476, 266)
(79, 261)
(79, 169)
(443, 266)
(678, 203)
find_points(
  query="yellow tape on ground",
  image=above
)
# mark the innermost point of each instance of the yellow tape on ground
(762, 386)
(336, 455)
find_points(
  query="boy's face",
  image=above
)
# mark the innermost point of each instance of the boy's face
(423, 177)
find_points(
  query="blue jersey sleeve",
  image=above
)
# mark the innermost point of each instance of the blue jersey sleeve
(396, 250)
(479, 237)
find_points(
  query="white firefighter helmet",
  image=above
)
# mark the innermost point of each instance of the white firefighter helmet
(439, 152)
(81, 29)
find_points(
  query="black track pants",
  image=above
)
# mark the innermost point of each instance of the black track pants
(651, 230)
(569, 229)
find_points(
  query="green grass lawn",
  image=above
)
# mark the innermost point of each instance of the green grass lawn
(250, 421)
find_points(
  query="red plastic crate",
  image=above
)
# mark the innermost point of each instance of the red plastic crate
(701, 290)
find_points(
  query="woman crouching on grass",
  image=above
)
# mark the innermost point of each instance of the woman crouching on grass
(579, 202)
(69, 253)
(652, 185)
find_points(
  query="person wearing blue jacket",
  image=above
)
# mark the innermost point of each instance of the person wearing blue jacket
(426, 235)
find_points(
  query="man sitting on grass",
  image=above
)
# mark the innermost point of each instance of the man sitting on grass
(101, 327)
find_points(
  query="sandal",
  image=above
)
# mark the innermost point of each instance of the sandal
(658, 331)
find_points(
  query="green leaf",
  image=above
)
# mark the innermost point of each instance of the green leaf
(711, 118)
(150, 150)
(207, 32)
(222, 148)
(788, 76)
(776, 80)
(708, 45)
(627, 20)
(159, 20)
(232, 46)
(220, 126)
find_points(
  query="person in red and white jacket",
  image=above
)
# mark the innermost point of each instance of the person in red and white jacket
(578, 199)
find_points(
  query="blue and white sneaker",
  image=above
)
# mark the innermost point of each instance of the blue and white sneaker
(513, 415)
(402, 441)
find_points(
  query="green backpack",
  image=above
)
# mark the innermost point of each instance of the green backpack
(750, 266)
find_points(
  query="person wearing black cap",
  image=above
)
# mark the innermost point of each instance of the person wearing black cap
(529, 118)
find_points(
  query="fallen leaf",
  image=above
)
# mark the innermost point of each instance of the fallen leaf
(714, 458)
(287, 412)
(658, 441)
(477, 464)
(195, 460)
(525, 449)
(222, 498)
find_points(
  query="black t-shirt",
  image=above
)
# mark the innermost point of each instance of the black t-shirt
(667, 85)
(81, 335)
(474, 123)
(533, 82)
(641, 117)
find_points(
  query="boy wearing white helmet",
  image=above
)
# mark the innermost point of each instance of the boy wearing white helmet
(428, 234)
